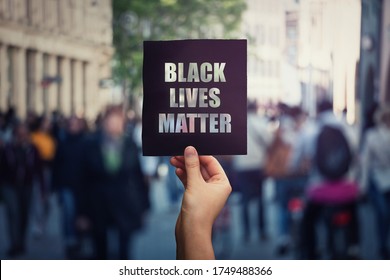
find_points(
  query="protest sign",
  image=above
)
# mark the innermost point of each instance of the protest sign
(194, 94)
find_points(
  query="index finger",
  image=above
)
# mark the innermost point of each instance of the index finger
(177, 162)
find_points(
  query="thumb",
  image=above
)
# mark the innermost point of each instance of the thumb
(192, 163)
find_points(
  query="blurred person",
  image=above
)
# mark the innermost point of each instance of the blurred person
(2, 129)
(249, 170)
(131, 121)
(20, 167)
(98, 122)
(207, 189)
(375, 161)
(45, 143)
(113, 185)
(59, 126)
(289, 182)
(86, 126)
(306, 144)
(11, 118)
(149, 164)
(4, 137)
(7, 122)
(31, 119)
(41, 137)
(1, 164)
(227, 162)
(370, 116)
(172, 184)
(329, 146)
(66, 179)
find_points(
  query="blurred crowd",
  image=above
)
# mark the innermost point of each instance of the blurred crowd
(322, 169)
(95, 173)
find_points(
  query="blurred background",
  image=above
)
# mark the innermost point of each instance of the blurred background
(73, 182)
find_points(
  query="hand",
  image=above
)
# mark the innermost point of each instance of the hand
(206, 190)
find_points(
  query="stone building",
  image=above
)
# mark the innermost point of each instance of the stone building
(264, 26)
(54, 55)
(328, 53)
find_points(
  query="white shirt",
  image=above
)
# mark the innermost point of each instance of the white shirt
(258, 139)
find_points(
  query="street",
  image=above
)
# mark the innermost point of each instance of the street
(156, 240)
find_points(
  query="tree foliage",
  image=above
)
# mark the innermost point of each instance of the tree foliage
(137, 20)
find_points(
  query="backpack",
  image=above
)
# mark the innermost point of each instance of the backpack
(278, 157)
(333, 155)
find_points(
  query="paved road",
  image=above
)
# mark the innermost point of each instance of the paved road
(156, 240)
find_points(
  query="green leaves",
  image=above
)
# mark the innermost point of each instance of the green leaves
(137, 20)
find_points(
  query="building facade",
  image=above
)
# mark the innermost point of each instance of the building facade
(328, 53)
(263, 26)
(302, 51)
(54, 54)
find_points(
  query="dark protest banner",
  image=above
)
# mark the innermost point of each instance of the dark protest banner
(195, 93)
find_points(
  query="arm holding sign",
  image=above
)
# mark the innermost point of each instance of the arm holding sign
(206, 191)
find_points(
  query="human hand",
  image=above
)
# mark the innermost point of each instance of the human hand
(206, 190)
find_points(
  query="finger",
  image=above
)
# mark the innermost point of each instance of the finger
(206, 176)
(179, 158)
(192, 164)
(211, 165)
(181, 174)
(177, 163)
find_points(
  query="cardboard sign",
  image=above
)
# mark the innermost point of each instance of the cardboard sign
(195, 93)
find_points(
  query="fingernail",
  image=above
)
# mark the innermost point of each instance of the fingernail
(190, 151)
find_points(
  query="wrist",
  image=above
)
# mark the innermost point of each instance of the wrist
(193, 238)
(198, 222)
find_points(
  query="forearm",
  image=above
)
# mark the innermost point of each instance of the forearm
(193, 240)
(206, 191)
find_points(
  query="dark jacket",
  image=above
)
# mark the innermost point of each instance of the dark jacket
(67, 164)
(120, 197)
(21, 165)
